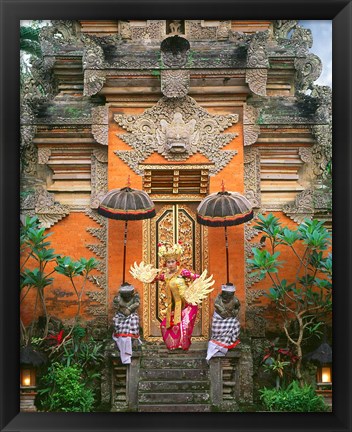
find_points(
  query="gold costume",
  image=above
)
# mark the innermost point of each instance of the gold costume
(175, 287)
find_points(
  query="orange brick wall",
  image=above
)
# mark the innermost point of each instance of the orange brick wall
(69, 238)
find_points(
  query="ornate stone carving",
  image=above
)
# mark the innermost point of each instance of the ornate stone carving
(300, 38)
(322, 150)
(323, 96)
(146, 132)
(195, 30)
(251, 129)
(99, 177)
(28, 151)
(283, 27)
(223, 30)
(61, 33)
(98, 311)
(97, 296)
(174, 51)
(125, 30)
(252, 295)
(43, 155)
(252, 175)
(93, 54)
(256, 54)
(68, 29)
(303, 206)
(305, 154)
(175, 83)
(42, 204)
(93, 81)
(93, 214)
(152, 30)
(255, 322)
(99, 249)
(100, 124)
(308, 70)
(100, 133)
(100, 115)
(256, 80)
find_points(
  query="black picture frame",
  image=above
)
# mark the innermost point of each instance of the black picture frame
(12, 11)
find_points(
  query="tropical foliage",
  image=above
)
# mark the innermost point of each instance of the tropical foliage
(295, 398)
(304, 301)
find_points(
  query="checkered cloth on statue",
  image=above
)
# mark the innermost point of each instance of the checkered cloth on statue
(126, 321)
(225, 328)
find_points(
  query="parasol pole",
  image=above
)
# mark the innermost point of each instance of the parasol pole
(124, 252)
(125, 238)
(227, 256)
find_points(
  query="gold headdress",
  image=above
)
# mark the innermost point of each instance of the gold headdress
(170, 252)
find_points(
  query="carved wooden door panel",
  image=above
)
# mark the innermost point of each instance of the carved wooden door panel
(173, 222)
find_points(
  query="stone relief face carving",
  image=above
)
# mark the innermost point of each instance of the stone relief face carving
(174, 51)
(180, 125)
(177, 137)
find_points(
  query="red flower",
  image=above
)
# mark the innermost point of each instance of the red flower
(179, 242)
(58, 338)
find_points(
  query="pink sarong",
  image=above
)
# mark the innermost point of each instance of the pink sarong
(179, 335)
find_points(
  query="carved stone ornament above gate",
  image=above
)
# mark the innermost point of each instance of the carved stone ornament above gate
(175, 83)
(42, 204)
(176, 128)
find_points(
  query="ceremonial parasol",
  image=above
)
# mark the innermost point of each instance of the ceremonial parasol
(126, 204)
(223, 209)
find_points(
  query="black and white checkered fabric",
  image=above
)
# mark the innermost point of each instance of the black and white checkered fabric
(126, 325)
(225, 330)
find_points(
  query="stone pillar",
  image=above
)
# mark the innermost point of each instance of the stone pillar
(132, 381)
(215, 375)
(245, 367)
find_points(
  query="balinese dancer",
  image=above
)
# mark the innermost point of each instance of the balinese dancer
(126, 321)
(185, 291)
(225, 328)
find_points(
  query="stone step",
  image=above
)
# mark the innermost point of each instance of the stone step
(174, 408)
(175, 398)
(173, 362)
(173, 386)
(198, 350)
(173, 374)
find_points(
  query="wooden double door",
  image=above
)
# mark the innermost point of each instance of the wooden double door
(173, 222)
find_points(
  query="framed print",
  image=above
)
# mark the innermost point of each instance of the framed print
(171, 217)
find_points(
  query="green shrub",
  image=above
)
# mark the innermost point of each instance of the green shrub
(63, 389)
(294, 398)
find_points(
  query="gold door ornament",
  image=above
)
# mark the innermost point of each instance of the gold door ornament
(173, 223)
